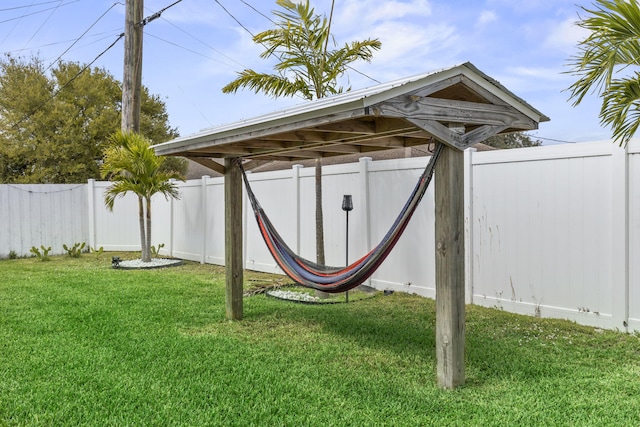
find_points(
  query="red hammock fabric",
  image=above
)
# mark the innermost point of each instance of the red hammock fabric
(338, 279)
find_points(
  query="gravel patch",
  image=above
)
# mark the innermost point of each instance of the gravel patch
(293, 296)
(154, 263)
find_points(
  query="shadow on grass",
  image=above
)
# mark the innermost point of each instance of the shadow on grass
(404, 325)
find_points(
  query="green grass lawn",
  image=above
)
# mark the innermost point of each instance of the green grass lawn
(83, 344)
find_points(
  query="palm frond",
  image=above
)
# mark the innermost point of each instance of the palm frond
(270, 84)
(303, 67)
(612, 44)
(132, 166)
(621, 108)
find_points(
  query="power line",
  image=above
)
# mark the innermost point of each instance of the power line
(62, 42)
(42, 25)
(235, 19)
(258, 12)
(26, 7)
(156, 15)
(201, 41)
(40, 11)
(16, 24)
(363, 74)
(555, 140)
(82, 35)
(186, 48)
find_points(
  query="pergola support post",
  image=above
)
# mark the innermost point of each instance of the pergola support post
(233, 239)
(450, 267)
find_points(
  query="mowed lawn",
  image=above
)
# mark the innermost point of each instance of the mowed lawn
(84, 344)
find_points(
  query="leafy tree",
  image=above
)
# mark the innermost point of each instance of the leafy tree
(54, 124)
(305, 67)
(132, 166)
(512, 140)
(607, 63)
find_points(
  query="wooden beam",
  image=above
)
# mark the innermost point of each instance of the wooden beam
(252, 164)
(437, 86)
(441, 132)
(233, 239)
(356, 126)
(299, 136)
(482, 133)
(450, 267)
(341, 149)
(208, 163)
(475, 87)
(448, 110)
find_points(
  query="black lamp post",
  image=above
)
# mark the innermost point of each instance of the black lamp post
(347, 206)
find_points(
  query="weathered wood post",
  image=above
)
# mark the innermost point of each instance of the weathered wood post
(233, 238)
(450, 267)
(132, 76)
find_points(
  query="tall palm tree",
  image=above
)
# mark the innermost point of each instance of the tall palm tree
(306, 67)
(607, 63)
(132, 166)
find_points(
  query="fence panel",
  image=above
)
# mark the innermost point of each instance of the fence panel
(276, 193)
(189, 214)
(542, 232)
(214, 232)
(634, 237)
(42, 214)
(410, 267)
(116, 230)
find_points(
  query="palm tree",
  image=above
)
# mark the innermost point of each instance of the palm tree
(607, 62)
(305, 67)
(132, 166)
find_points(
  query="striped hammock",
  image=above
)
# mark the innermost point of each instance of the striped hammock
(338, 279)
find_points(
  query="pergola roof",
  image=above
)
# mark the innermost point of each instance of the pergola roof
(459, 106)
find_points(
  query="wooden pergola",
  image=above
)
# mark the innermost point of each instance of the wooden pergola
(459, 106)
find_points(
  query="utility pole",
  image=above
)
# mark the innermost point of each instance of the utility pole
(132, 77)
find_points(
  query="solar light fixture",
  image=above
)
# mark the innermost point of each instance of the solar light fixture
(347, 205)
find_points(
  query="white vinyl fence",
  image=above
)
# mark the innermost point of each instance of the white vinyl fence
(550, 231)
(34, 215)
(553, 230)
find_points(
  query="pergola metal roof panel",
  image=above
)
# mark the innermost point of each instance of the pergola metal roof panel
(459, 106)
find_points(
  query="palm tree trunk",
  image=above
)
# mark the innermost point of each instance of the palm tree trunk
(148, 239)
(319, 222)
(319, 215)
(143, 234)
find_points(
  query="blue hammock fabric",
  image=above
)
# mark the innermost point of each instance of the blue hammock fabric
(338, 279)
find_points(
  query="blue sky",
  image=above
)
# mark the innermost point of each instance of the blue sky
(196, 47)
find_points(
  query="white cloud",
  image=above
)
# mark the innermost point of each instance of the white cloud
(410, 49)
(486, 17)
(532, 80)
(365, 13)
(564, 35)
(538, 73)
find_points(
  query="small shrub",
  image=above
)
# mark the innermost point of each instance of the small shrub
(75, 250)
(98, 251)
(42, 256)
(13, 255)
(155, 251)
